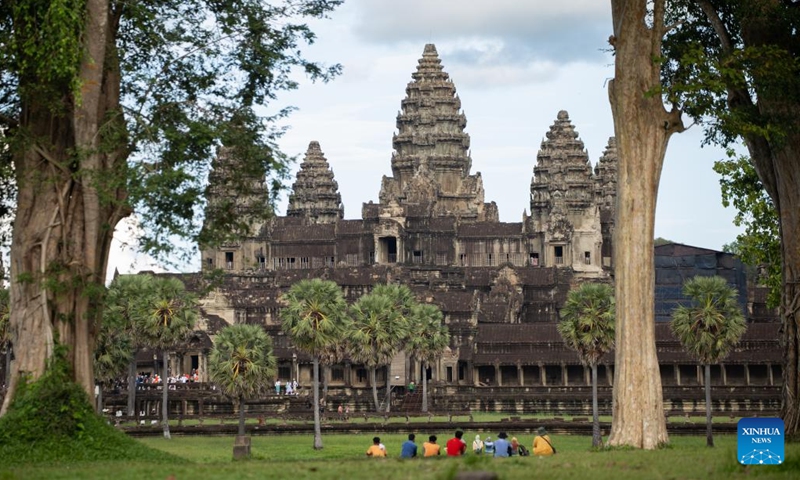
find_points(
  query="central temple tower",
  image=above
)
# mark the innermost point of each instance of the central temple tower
(431, 162)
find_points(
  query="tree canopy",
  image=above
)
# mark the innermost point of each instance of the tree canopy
(109, 107)
(735, 67)
(242, 364)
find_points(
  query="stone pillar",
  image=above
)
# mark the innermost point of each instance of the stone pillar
(180, 358)
(769, 375)
(587, 376)
(747, 374)
(498, 377)
(520, 374)
(724, 374)
(700, 376)
(542, 374)
(204, 366)
(295, 368)
(564, 375)
(348, 367)
(610, 375)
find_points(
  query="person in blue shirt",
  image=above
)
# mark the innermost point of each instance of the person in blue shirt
(502, 448)
(409, 448)
(488, 446)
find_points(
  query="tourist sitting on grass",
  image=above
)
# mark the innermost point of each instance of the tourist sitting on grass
(541, 443)
(456, 446)
(488, 446)
(514, 446)
(477, 445)
(409, 448)
(431, 448)
(377, 449)
(502, 447)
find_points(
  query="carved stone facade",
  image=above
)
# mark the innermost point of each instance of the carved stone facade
(500, 285)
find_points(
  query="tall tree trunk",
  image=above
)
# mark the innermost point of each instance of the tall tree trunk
(790, 312)
(709, 435)
(642, 128)
(317, 426)
(596, 438)
(374, 388)
(424, 386)
(786, 165)
(132, 387)
(241, 415)
(165, 395)
(62, 231)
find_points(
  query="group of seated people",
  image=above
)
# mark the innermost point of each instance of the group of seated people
(456, 446)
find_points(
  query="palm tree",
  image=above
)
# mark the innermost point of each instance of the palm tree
(379, 332)
(172, 315)
(125, 307)
(334, 353)
(113, 352)
(315, 319)
(587, 326)
(242, 364)
(429, 338)
(708, 328)
(404, 301)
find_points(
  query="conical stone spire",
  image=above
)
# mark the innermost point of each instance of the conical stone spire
(315, 194)
(237, 193)
(562, 175)
(431, 163)
(606, 177)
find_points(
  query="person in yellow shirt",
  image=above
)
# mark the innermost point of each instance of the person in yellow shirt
(376, 450)
(431, 448)
(541, 443)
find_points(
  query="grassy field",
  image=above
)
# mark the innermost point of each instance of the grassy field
(291, 457)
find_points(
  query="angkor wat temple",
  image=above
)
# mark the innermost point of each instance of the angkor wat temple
(500, 285)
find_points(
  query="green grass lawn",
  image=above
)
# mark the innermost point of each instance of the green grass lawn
(292, 457)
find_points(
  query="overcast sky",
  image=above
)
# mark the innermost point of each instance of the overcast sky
(515, 64)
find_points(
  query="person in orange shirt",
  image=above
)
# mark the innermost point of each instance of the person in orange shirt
(541, 443)
(431, 448)
(376, 450)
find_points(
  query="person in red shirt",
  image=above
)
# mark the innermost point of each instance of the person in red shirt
(456, 446)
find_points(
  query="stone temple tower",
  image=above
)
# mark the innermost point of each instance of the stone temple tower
(563, 208)
(431, 162)
(315, 194)
(605, 173)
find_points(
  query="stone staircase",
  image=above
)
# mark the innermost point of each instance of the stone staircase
(411, 403)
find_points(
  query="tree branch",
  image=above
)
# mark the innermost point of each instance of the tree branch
(717, 25)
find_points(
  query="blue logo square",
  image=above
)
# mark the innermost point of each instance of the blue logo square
(760, 441)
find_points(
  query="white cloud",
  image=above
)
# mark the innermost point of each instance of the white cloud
(533, 29)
